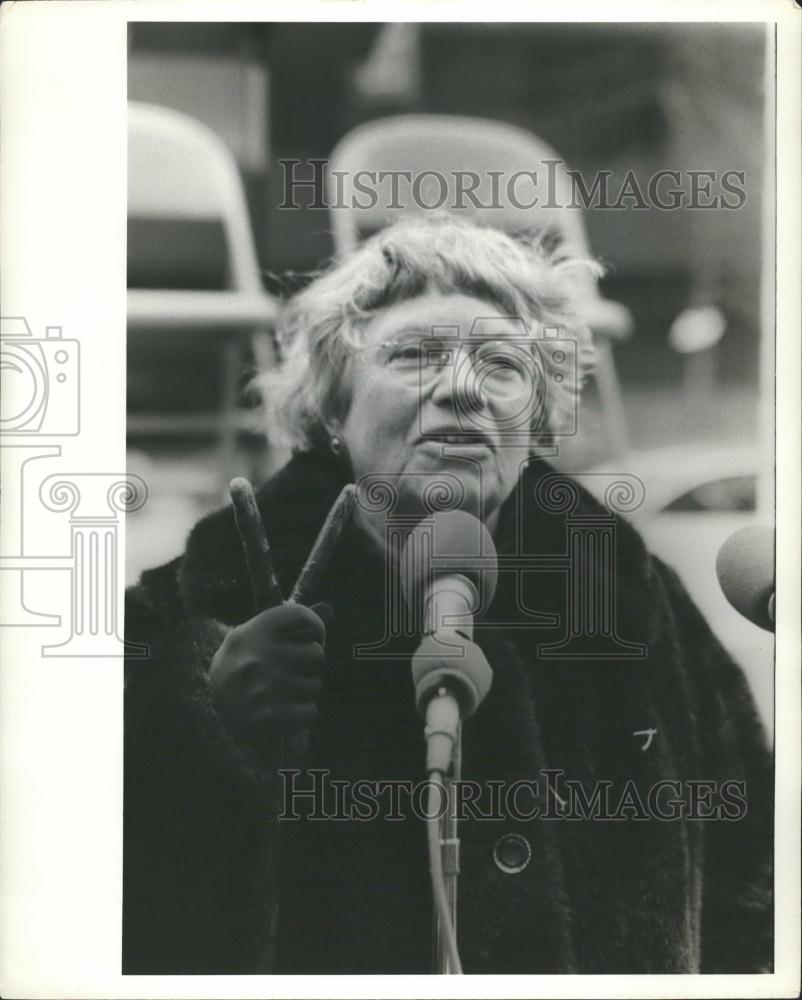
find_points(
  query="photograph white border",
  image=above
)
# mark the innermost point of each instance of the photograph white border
(62, 262)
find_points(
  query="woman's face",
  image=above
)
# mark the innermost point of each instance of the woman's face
(452, 399)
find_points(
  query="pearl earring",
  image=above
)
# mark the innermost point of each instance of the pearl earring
(336, 444)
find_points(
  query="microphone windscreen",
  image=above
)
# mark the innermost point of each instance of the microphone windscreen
(451, 542)
(745, 570)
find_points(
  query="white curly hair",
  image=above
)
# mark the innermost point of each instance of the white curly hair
(321, 326)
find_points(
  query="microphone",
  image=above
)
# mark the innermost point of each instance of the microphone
(449, 569)
(745, 570)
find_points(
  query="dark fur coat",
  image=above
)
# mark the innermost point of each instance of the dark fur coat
(214, 883)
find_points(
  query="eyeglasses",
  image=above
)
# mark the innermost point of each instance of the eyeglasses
(503, 368)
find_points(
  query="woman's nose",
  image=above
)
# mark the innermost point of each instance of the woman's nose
(459, 382)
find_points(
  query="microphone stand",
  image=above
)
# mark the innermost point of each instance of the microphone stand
(449, 849)
(451, 676)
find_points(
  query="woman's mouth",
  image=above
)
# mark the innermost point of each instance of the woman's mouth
(452, 440)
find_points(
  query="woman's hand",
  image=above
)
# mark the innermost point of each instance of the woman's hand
(266, 675)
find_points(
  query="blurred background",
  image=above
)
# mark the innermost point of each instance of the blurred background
(685, 399)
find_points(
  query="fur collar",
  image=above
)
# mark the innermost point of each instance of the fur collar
(213, 577)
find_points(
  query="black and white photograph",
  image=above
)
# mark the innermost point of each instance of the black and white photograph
(430, 589)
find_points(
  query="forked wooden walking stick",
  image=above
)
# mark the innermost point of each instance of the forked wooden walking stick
(266, 592)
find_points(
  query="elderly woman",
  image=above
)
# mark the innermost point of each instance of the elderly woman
(436, 362)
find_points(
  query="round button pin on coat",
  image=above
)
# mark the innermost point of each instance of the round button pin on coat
(512, 853)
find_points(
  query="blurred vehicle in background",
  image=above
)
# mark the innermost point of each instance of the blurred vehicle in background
(697, 495)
